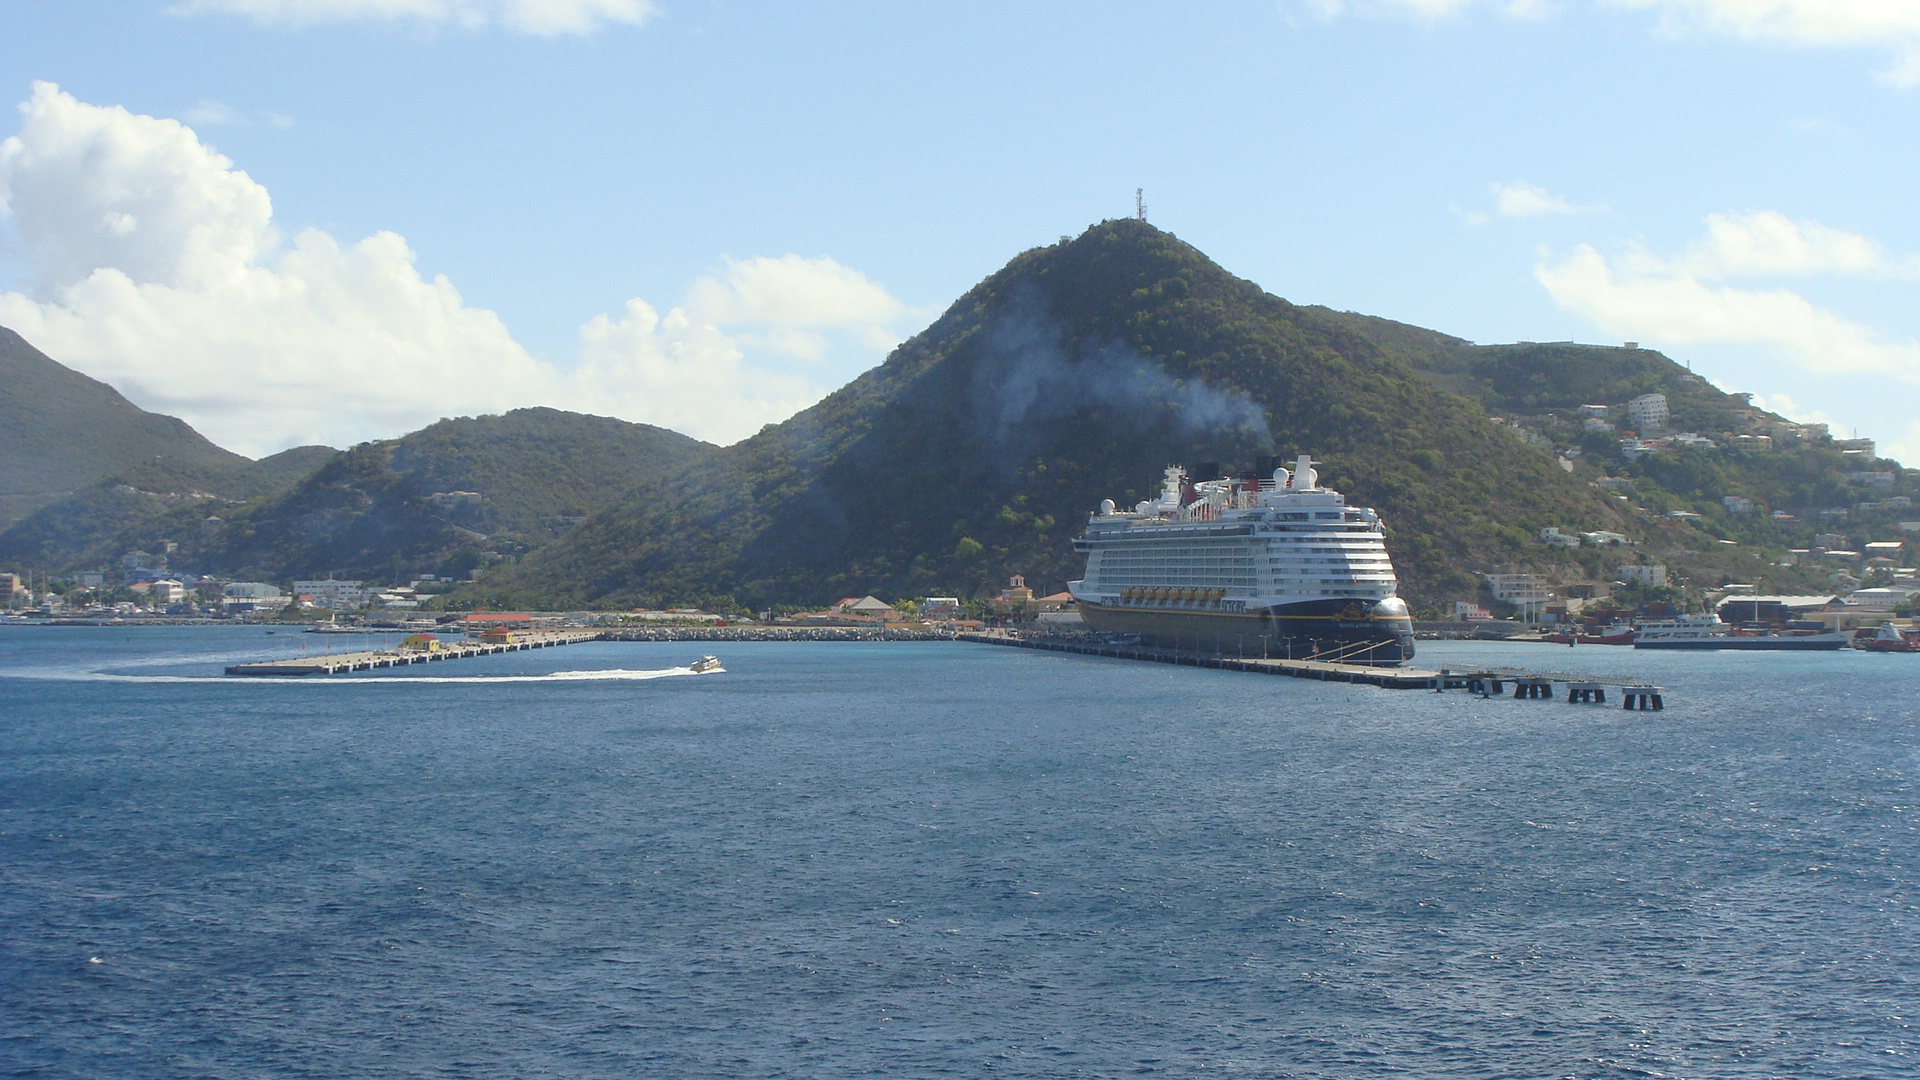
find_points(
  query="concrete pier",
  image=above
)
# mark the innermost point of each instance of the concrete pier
(1484, 682)
(374, 659)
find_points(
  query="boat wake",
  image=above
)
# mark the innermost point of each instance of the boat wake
(589, 675)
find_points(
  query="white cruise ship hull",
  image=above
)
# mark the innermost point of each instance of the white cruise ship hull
(1348, 631)
(1252, 566)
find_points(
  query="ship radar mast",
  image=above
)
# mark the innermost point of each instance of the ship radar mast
(1304, 476)
(1170, 490)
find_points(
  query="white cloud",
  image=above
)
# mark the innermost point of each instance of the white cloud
(1905, 447)
(92, 187)
(1526, 200)
(543, 17)
(1791, 409)
(214, 112)
(161, 272)
(1425, 9)
(796, 291)
(1667, 303)
(1893, 25)
(1889, 24)
(1768, 243)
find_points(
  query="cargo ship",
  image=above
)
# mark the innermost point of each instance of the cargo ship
(1257, 565)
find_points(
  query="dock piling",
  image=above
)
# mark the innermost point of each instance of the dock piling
(1643, 698)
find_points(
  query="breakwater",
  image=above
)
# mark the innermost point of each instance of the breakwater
(772, 633)
(372, 659)
(1526, 683)
(1484, 682)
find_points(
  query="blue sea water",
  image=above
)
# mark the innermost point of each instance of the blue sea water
(905, 860)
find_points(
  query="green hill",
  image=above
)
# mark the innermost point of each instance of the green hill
(1805, 487)
(61, 432)
(95, 476)
(506, 485)
(1073, 374)
(144, 504)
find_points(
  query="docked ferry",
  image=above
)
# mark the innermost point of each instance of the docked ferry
(1708, 632)
(1250, 566)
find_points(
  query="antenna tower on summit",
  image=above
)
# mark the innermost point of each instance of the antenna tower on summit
(1140, 203)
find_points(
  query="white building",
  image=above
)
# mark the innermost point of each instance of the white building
(1648, 412)
(1654, 575)
(241, 596)
(335, 594)
(1524, 591)
(1633, 449)
(1553, 537)
(1736, 505)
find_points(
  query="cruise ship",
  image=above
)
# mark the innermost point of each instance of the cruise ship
(1272, 566)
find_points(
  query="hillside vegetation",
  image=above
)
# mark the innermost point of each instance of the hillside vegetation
(61, 432)
(1075, 373)
(975, 451)
(508, 485)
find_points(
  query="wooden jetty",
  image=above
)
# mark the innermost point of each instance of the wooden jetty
(1486, 682)
(373, 659)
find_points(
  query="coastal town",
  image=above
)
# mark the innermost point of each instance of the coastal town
(1855, 572)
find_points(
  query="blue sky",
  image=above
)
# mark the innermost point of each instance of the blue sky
(331, 220)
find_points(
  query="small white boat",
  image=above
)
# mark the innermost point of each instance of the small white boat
(704, 665)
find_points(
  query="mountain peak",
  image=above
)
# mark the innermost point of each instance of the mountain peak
(1077, 372)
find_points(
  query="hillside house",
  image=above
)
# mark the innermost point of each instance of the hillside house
(871, 607)
(1016, 600)
(1648, 412)
(1653, 575)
